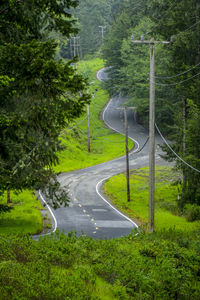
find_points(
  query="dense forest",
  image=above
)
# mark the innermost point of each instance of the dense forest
(176, 79)
(94, 19)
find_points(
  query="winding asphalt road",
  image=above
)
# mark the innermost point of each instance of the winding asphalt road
(89, 212)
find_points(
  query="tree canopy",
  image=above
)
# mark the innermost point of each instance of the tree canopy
(38, 95)
(177, 74)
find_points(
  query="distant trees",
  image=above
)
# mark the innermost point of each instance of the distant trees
(90, 15)
(177, 71)
(38, 95)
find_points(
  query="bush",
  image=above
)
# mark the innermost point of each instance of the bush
(192, 212)
(137, 267)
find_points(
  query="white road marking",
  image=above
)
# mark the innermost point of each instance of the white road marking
(114, 224)
(135, 142)
(97, 187)
(54, 218)
(99, 210)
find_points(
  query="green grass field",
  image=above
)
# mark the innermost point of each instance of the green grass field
(166, 212)
(25, 217)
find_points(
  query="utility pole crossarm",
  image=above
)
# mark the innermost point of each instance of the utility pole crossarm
(102, 32)
(150, 42)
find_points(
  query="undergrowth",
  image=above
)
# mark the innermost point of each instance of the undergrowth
(163, 265)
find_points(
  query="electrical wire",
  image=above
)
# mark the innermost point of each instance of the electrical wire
(186, 29)
(175, 152)
(176, 83)
(177, 75)
(142, 146)
(76, 125)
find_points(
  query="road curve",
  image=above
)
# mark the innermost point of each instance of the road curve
(89, 212)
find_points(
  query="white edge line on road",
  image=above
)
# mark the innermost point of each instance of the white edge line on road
(103, 117)
(54, 218)
(97, 190)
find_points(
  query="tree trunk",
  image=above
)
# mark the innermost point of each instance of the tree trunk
(8, 197)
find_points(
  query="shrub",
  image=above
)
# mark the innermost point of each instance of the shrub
(192, 212)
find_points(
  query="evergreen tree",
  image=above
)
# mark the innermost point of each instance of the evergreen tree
(181, 20)
(38, 95)
(177, 74)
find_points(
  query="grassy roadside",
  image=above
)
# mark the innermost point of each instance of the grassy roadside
(25, 217)
(166, 212)
(105, 144)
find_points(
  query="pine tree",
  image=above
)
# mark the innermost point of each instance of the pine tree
(38, 95)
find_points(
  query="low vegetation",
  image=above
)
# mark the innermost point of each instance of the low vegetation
(159, 266)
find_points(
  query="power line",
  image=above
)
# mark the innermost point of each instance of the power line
(186, 29)
(76, 124)
(175, 152)
(177, 75)
(176, 83)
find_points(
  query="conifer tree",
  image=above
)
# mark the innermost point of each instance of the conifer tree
(38, 95)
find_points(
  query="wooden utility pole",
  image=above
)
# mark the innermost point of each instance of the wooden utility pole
(76, 45)
(88, 126)
(8, 197)
(127, 156)
(151, 124)
(102, 32)
(152, 136)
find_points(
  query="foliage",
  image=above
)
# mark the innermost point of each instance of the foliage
(66, 267)
(5, 208)
(90, 15)
(192, 212)
(38, 95)
(177, 75)
(182, 21)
